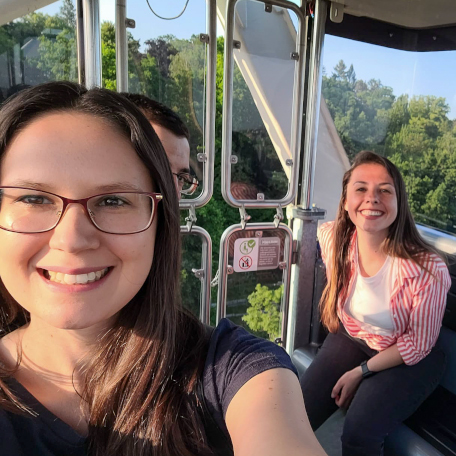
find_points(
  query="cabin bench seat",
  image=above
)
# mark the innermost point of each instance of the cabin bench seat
(431, 431)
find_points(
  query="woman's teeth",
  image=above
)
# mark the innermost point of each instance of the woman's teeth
(372, 212)
(70, 279)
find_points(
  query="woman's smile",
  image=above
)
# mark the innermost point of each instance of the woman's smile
(79, 281)
(73, 276)
(371, 200)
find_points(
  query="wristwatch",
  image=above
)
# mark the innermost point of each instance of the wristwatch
(366, 372)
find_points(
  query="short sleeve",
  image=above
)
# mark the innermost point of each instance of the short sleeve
(234, 357)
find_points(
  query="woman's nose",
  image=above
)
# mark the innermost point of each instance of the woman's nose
(372, 197)
(75, 231)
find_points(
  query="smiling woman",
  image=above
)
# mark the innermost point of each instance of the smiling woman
(98, 357)
(383, 304)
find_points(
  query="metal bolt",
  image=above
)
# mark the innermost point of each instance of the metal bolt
(204, 38)
(268, 8)
(289, 162)
(260, 196)
(233, 159)
(236, 44)
(278, 341)
(201, 157)
(229, 270)
(130, 23)
(258, 233)
(294, 56)
(199, 273)
(282, 265)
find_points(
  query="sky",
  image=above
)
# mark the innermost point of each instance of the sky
(406, 72)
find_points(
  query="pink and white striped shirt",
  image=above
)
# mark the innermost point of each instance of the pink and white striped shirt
(417, 303)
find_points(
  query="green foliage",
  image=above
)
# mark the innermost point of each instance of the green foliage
(415, 133)
(264, 311)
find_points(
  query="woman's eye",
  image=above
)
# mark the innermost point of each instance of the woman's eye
(112, 202)
(34, 200)
(385, 191)
(360, 189)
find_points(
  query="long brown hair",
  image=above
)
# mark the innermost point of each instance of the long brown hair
(140, 381)
(402, 241)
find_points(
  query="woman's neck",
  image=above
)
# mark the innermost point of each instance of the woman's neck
(371, 255)
(48, 352)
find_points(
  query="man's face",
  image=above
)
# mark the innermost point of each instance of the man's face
(177, 149)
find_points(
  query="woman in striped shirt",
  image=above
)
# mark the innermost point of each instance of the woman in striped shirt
(383, 305)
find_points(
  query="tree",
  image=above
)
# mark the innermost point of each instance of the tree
(264, 311)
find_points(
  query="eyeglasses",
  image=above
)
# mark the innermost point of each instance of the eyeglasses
(26, 210)
(186, 183)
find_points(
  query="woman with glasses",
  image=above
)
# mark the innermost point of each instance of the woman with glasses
(97, 356)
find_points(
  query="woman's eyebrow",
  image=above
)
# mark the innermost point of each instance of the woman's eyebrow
(381, 183)
(114, 186)
(31, 184)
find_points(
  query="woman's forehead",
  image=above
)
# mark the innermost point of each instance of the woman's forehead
(371, 172)
(69, 148)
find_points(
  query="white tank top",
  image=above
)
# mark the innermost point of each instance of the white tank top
(369, 302)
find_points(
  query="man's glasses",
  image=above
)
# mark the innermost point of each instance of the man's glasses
(186, 183)
(26, 210)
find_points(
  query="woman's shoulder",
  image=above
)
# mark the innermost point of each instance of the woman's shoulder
(234, 357)
(326, 229)
(428, 265)
(229, 341)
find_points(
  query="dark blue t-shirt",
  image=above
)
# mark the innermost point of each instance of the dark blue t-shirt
(234, 357)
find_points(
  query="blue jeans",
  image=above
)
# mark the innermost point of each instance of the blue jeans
(381, 402)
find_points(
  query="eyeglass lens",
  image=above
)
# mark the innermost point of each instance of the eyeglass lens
(32, 211)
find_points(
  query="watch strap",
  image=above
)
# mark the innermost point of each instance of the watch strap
(366, 373)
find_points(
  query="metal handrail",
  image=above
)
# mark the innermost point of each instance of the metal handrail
(313, 104)
(92, 43)
(121, 46)
(206, 266)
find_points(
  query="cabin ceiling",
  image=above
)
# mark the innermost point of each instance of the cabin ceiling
(415, 14)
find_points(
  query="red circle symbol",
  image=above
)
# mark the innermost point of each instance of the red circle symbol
(245, 262)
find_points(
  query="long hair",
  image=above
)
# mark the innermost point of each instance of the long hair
(402, 240)
(139, 384)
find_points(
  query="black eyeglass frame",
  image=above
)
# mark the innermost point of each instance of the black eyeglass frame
(192, 181)
(156, 197)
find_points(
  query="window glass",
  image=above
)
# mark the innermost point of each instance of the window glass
(254, 299)
(167, 61)
(263, 87)
(192, 246)
(38, 47)
(400, 104)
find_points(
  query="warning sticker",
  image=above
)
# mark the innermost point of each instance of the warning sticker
(256, 254)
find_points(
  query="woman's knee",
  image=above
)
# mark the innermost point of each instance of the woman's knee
(359, 440)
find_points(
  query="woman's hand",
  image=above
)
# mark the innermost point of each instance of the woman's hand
(345, 388)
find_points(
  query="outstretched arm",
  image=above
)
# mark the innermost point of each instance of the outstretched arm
(267, 417)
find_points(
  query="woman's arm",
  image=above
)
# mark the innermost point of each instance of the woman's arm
(267, 417)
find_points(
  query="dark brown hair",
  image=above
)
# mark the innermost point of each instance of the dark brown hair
(403, 239)
(159, 114)
(140, 381)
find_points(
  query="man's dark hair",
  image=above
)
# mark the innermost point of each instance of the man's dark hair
(159, 113)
